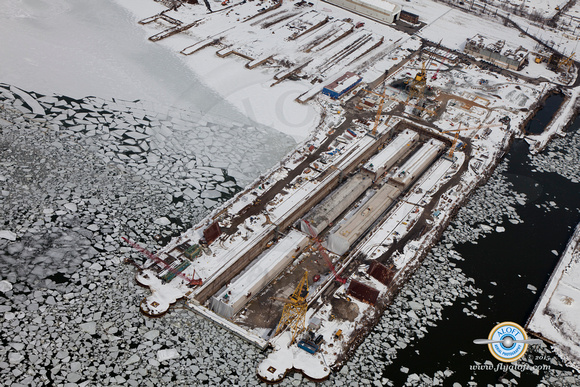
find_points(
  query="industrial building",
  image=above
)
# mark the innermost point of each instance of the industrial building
(379, 10)
(342, 85)
(409, 17)
(340, 241)
(343, 197)
(336, 203)
(497, 52)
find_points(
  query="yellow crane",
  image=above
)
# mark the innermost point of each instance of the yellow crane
(383, 97)
(418, 84)
(567, 62)
(459, 129)
(379, 110)
(294, 312)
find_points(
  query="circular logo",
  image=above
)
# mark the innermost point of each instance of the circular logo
(506, 347)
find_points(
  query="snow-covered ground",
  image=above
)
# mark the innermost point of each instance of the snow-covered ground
(557, 313)
(81, 48)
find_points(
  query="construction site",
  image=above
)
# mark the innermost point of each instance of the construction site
(306, 257)
(303, 255)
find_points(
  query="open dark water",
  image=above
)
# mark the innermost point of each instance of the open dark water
(513, 259)
(539, 122)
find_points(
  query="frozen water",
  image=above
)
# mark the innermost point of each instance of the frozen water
(5, 286)
(133, 68)
(5, 234)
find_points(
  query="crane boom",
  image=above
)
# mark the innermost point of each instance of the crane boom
(323, 253)
(163, 264)
(294, 312)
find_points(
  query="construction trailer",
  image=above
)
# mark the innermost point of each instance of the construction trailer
(381, 273)
(409, 17)
(363, 292)
(233, 297)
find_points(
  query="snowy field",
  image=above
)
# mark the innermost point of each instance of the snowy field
(557, 314)
(105, 57)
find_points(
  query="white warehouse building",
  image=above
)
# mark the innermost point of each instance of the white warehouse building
(379, 10)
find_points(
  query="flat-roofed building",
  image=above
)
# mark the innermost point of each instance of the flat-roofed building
(497, 52)
(379, 10)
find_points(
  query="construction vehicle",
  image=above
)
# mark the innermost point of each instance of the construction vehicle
(322, 251)
(171, 271)
(294, 312)
(309, 346)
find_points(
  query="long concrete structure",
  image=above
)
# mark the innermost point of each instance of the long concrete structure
(380, 10)
(337, 202)
(340, 241)
(240, 258)
(397, 149)
(343, 197)
(418, 163)
(293, 206)
(264, 269)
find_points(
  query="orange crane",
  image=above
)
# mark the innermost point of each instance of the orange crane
(323, 253)
(380, 109)
(160, 262)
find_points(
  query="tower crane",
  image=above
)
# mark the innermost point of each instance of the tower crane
(160, 262)
(418, 84)
(322, 251)
(294, 312)
(381, 104)
(434, 77)
(567, 62)
(380, 108)
(459, 129)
